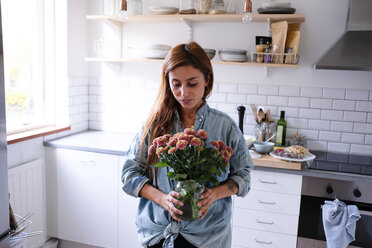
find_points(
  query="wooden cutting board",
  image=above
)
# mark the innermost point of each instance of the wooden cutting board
(269, 161)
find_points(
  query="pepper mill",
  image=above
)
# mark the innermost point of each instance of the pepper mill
(241, 110)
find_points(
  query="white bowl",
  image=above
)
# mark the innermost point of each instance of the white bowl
(249, 139)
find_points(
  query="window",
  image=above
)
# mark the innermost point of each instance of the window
(31, 56)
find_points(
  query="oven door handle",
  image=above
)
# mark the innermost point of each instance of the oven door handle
(364, 212)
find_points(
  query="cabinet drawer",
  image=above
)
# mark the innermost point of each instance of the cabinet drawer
(249, 238)
(265, 221)
(276, 182)
(270, 202)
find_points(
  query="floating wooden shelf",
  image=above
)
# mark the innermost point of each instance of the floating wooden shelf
(217, 62)
(291, 18)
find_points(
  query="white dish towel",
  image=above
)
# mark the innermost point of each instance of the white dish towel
(339, 222)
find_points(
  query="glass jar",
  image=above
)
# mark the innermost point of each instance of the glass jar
(217, 7)
(187, 7)
(135, 7)
(231, 6)
(204, 6)
(190, 192)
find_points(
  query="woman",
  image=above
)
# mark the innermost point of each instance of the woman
(187, 80)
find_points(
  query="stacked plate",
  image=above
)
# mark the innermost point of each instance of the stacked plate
(163, 10)
(276, 8)
(158, 51)
(233, 55)
(210, 52)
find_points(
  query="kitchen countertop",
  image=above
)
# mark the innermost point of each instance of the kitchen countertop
(118, 143)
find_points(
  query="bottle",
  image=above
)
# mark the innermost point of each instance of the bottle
(217, 7)
(281, 127)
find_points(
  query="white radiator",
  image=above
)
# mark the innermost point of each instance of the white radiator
(26, 182)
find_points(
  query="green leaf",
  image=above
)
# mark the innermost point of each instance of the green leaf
(161, 164)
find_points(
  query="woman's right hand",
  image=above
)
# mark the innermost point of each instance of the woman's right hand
(169, 201)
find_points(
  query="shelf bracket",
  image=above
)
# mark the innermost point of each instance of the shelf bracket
(266, 69)
(189, 25)
(269, 26)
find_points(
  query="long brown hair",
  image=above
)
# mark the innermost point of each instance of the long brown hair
(161, 117)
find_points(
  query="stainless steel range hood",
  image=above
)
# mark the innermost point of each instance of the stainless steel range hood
(353, 51)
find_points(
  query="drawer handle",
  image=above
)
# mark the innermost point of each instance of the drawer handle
(265, 202)
(268, 182)
(264, 222)
(262, 242)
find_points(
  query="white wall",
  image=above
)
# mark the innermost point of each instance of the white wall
(332, 108)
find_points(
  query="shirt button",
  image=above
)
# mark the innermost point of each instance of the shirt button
(200, 119)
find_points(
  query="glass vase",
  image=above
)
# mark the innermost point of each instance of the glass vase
(190, 192)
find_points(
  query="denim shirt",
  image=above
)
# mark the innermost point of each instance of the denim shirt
(154, 223)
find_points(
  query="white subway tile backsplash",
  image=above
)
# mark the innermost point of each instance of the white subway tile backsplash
(277, 100)
(353, 94)
(257, 99)
(352, 138)
(333, 93)
(355, 116)
(330, 136)
(297, 123)
(368, 140)
(316, 145)
(289, 91)
(362, 128)
(338, 147)
(343, 104)
(290, 112)
(268, 90)
(309, 134)
(309, 113)
(320, 103)
(217, 97)
(369, 118)
(341, 126)
(248, 89)
(319, 124)
(227, 88)
(331, 119)
(331, 115)
(361, 149)
(236, 98)
(363, 106)
(227, 107)
(311, 92)
(300, 102)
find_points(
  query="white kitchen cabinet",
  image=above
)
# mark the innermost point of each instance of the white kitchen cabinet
(268, 215)
(128, 205)
(82, 201)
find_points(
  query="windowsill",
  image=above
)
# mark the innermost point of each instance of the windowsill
(14, 138)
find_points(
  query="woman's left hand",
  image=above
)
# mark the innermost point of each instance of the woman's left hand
(207, 198)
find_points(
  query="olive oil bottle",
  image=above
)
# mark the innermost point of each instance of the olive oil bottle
(281, 127)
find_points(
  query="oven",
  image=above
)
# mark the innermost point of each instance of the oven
(315, 191)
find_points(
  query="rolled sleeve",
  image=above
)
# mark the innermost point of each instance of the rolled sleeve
(133, 172)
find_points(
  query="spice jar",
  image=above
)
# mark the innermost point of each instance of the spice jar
(262, 44)
(204, 6)
(187, 7)
(217, 7)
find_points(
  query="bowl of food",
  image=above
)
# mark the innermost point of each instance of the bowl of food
(263, 147)
(210, 52)
(249, 139)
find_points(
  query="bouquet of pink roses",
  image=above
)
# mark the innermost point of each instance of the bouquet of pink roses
(186, 154)
(192, 165)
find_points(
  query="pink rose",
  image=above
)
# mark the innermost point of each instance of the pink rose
(172, 141)
(202, 134)
(160, 150)
(173, 149)
(181, 144)
(195, 141)
(190, 131)
(183, 136)
(161, 141)
(151, 149)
